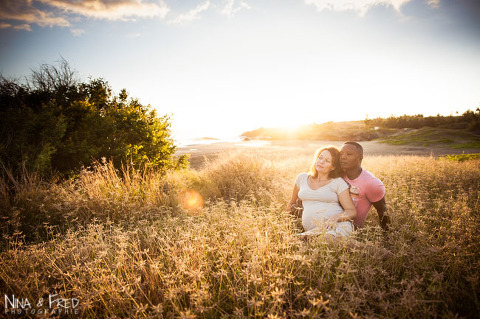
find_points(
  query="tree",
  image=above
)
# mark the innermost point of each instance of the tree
(55, 123)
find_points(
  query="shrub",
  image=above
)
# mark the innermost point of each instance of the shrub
(56, 124)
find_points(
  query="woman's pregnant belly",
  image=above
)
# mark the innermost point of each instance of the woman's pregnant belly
(314, 213)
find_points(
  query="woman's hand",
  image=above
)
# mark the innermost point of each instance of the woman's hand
(297, 208)
(331, 223)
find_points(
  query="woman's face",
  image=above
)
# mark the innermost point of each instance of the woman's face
(324, 164)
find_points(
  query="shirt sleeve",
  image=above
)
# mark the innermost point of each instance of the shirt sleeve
(341, 185)
(375, 191)
(298, 180)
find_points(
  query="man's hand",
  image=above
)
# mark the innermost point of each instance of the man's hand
(384, 219)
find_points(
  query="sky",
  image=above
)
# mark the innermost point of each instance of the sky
(223, 67)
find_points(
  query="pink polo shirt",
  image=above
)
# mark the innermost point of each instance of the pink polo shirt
(364, 190)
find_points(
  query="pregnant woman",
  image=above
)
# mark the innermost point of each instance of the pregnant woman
(327, 205)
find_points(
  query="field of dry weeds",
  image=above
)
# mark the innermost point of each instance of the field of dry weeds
(216, 243)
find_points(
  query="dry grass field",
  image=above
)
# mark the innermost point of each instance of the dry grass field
(216, 242)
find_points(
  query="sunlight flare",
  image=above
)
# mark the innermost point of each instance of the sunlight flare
(191, 200)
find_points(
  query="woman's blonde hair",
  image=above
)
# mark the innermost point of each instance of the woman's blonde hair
(337, 170)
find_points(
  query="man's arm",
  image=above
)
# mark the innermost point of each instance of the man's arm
(381, 207)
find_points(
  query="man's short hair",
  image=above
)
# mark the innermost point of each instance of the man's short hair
(357, 146)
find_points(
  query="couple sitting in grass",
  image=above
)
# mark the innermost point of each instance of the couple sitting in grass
(337, 193)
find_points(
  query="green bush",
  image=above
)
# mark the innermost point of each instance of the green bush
(54, 123)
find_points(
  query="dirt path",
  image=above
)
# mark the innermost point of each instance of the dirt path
(198, 152)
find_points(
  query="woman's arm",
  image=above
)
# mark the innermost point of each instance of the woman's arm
(292, 206)
(294, 196)
(349, 211)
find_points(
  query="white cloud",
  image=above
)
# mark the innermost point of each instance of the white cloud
(360, 6)
(67, 13)
(231, 7)
(24, 11)
(111, 9)
(77, 32)
(25, 27)
(192, 14)
(434, 3)
(5, 25)
(60, 13)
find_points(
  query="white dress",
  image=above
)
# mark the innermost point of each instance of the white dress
(320, 204)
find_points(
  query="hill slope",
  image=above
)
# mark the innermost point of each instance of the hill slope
(331, 131)
(428, 136)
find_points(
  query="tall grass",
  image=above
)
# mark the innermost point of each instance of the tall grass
(125, 244)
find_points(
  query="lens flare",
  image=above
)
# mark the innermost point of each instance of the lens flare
(191, 200)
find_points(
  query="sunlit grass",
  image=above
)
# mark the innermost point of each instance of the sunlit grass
(126, 244)
(440, 137)
(462, 157)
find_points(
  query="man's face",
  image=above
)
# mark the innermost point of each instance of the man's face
(350, 157)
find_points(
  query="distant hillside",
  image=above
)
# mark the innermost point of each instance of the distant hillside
(331, 131)
(428, 136)
(405, 129)
(469, 120)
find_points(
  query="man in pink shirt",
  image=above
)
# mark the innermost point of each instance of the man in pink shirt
(365, 189)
